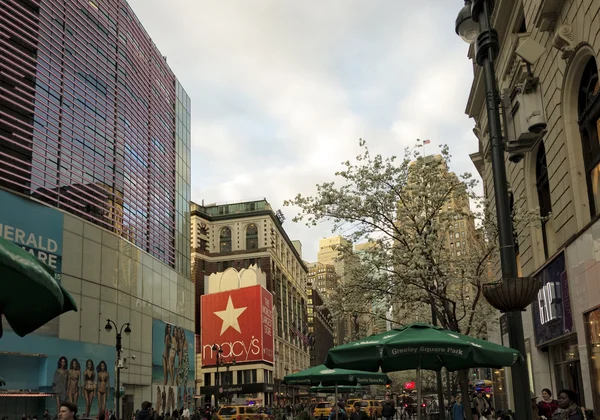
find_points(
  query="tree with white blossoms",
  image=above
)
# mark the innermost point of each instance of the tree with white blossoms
(408, 210)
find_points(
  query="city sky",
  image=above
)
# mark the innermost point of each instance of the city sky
(282, 90)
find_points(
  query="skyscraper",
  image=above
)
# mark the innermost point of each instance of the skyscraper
(94, 122)
(94, 181)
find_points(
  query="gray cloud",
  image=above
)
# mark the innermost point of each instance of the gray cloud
(282, 90)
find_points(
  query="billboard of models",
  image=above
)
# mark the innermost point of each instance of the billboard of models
(88, 385)
(172, 367)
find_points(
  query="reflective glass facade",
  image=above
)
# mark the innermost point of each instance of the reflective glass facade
(183, 171)
(93, 121)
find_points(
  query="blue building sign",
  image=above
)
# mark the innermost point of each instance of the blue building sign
(552, 316)
(36, 228)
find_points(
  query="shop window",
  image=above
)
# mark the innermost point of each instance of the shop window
(543, 192)
(592, 321)
(588, 107)
(225, 240)
(252, 237)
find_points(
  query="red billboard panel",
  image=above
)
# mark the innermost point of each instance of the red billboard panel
(240, 322)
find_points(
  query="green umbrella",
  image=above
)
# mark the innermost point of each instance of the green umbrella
(331, 389)
(30, 296)
(420, 346)
(330, 377)
(334, 377)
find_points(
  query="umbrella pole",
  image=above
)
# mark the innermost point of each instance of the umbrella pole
(336, 402)
(419, 388)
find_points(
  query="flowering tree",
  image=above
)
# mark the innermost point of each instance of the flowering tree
(410, 212)
(429, 253)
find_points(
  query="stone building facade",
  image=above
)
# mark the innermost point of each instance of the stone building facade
(250, 234)
(552, 167)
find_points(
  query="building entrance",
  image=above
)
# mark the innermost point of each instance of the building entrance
(567, 368)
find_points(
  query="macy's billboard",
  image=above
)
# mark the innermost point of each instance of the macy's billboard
(240, 322)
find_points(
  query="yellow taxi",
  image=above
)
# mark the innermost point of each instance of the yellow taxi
(239, 412)
(322, 409)
(350, 404)
(372, 408)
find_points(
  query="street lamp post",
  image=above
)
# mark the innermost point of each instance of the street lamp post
(219, 351)
(286, 369)
(473, 25)
(119, 331)
(228, 380)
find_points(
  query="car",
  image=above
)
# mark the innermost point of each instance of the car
(372, 408)
(239, 412)
(322, 410)
(350, 404)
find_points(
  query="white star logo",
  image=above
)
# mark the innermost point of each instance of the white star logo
(230, 317)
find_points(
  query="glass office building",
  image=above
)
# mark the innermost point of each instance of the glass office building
(94, 122)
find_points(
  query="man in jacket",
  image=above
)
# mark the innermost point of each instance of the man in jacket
(146, 412)
(389, 410)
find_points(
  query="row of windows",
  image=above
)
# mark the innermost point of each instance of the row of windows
(588, 115)
(225, 242)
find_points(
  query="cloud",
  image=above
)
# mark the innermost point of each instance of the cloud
(282, 90)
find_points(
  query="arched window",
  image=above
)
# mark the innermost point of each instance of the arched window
(543, 192)
(588, 108)
(225, 240)
(252, 237)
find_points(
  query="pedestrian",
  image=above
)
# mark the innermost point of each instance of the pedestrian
(186, 413)
(388, 409)
(67, 411)
(111, 415)
(483, 406)
(547, 406)
(474, 409)
(457, 410)
(46, 415)
(358, 414)
(567, 407)
(145, 413)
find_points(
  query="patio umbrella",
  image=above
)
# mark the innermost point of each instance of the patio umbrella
(331, 389)
(420, 346)
(334, 377)
(30, 296)
(330, 377)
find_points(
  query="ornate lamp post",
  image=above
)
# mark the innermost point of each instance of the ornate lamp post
(119, 331)
(473, 26)
(219, 351)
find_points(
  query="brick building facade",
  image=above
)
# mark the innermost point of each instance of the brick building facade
(244, 234)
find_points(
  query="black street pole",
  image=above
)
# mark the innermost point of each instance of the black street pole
(487, 47)
(119, 331)
(438, 374)
(219, 350)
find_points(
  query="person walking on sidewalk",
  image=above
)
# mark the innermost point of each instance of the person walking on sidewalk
(389, 409)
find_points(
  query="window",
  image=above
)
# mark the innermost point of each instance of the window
(456, 235)
(593, 339)
(225, 240)
(252, 237)
(462, 234)
(543, 191)
(588, 108)
(207, 379)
